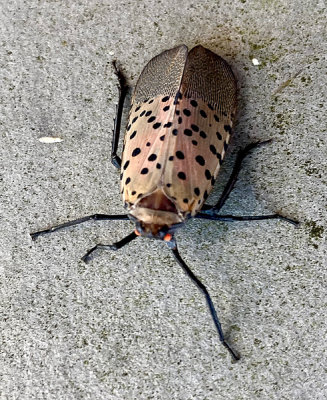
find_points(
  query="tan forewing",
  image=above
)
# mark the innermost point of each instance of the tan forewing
(145, 147)
(203, 117)
(151, 105)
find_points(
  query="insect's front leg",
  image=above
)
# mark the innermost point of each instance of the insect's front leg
(93, 217)
(123, 89)
(204, 290)
(115, 246)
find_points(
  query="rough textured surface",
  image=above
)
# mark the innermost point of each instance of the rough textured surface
(130, 325)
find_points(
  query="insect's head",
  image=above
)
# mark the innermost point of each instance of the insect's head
(156, 217)
(155, 231)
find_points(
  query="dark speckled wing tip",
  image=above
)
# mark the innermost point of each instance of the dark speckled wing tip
(162, 75)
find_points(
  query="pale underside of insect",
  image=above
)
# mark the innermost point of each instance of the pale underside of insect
(179, 126)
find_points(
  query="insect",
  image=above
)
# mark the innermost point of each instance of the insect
(179, 126)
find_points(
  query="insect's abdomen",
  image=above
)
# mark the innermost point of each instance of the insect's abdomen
(177, 137)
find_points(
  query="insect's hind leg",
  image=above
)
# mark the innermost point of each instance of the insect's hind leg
(123, 88)
(211, 212)
(233, 178)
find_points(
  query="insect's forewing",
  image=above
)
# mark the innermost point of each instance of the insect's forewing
(149, 125)
(203, 119)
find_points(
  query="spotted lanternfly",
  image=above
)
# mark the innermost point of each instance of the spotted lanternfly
(179, 126)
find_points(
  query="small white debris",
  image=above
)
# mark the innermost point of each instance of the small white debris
(111, 53)
(50, 139)
(255, 61)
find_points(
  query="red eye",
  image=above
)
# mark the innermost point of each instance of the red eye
(167, 237)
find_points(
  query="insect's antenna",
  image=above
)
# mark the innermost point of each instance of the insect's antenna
(204, 290)
(115, 246)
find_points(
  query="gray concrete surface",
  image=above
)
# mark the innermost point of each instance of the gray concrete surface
(130, 325)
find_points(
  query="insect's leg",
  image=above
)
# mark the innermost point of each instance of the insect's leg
(233, 178)
(204, 290)
(94, 217)
(115, 246)
(123, 88)
(216, 217)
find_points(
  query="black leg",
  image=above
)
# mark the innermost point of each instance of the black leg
(215, 217)
(94, 217)
(233, 178)
(115, 246)
(204, 290)
(119, 111)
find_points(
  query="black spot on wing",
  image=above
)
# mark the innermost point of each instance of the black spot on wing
(213, 149)
(228, 128)
(207, 174)
(136, 152)
(181, 175)
(200, 160)
(152, 157)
